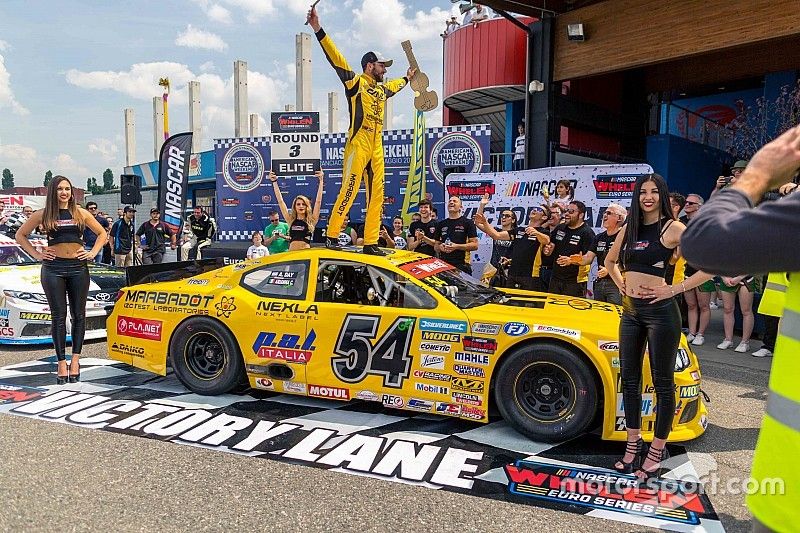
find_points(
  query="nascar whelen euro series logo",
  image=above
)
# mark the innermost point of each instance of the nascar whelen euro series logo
(614, 185)
(455, 150)
(243, 167)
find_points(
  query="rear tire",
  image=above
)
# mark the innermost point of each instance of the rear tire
(205, 357)
(546, 392)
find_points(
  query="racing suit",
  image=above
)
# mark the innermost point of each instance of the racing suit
(201, 230)
(363, 152)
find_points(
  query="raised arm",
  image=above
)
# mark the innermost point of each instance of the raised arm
(279, 196)
(484, 226)
(332, 54)
(318, 201)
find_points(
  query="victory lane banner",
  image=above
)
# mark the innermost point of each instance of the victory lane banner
(363, 438)
(295, 143)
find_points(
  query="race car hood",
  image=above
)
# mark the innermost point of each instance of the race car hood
(539, 309)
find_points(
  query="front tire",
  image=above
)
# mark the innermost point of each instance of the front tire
(546, 392)
(205, 357)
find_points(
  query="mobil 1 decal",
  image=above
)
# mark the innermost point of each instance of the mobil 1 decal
(367, 437)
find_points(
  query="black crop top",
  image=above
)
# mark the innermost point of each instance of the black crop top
(649, 256)
(67, 230)
(300, 231)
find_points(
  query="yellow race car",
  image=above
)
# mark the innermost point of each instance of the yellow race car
(406, 330)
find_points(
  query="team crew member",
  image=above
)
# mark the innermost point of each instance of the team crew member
(201, 228)
(501, 248)
(399, 234)
(422, 233)
(257, 249)
(301, 218)
(456, 237)
(546, 267)
(89, 236)
(604, 288)
(525, 254)
(348, 236)
(650, 316)
(155, 237)
(363, 152)
(65, 273)
(728, 237)
(122, 236)
(569, 241)
(276, 235)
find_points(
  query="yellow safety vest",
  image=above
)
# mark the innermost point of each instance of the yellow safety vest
(778, 448)
(774, 294)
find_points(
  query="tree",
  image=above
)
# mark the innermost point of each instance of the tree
(93, 187)
(48, 177)
(8, 179)
(108, 180)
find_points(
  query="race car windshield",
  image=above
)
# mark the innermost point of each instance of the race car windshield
(15, 255)
(462, 289)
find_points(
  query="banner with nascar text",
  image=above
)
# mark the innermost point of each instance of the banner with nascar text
(595, 185)
(245, 195)
(173, 178)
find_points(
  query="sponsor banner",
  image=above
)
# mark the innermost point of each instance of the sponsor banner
(446, 326)
(472, 358)
(434, 347)
(441, 337)
(555, 330)
(287, 347)
(516, 329)
(608, 346)
(424, 374)
(295, 143)
(431, 388)
(690, 391)
(480, 328)
(13, 203)
(173, 179)
(35, 317)
(415, 187)
(392, 401)
(480, 344)
(265, 384)
(334, 393)
(467, 398)
(425, 268)
(466, 370)
(240, 174)
(595, 185)
(368, 396)
(140, 328)
(467, 385)
(432, 361)
(371, 440)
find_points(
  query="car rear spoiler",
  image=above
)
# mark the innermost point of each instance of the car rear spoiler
(135, 275)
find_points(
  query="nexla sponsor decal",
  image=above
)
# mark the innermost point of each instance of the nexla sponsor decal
(286, 347)
(289, 308)
(168, 298)
(433, 463)
(328, 392)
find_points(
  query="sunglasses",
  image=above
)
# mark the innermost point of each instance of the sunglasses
(506, 215)
(692, 203)
(572, 211)
(92, 208)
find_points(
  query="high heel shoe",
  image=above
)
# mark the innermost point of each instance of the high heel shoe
(61, 380)
(636, 449)
(658, 456)
(75, 378)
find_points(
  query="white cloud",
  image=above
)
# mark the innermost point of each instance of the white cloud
(208, 66)
(28, 166)
(379, 21)
(140, 82)
(196, 38)
(4, 45)
(106, 148)
(254, 10)
(7, 98)
(217, 13)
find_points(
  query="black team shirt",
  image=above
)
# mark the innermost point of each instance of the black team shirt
(569, 242)
(457, 231)
(429, 229)
(523, 252)
(602, 245)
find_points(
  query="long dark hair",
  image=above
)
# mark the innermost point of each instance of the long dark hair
(636, 216)
(51, 207)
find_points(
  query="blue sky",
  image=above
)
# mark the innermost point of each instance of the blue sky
(69, 68)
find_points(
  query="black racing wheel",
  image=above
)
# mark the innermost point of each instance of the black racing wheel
(205, 357)
(546, 392)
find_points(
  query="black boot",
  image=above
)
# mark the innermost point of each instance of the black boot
(372, 249)
(332, 244)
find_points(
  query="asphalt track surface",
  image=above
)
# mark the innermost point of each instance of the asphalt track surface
(56, 477)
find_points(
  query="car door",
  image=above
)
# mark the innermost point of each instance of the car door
(374, 318)
(282, 333)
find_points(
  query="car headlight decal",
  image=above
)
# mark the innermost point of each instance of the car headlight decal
(38, 297)
(682, 361)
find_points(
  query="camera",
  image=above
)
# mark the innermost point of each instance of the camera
(276, 232)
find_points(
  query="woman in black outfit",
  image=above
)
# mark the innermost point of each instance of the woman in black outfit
(65, 273)
(301, 218)
(650, 316)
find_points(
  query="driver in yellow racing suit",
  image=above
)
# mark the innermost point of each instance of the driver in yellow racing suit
(363, 153)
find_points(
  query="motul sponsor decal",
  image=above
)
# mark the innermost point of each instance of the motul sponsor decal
(334, 393)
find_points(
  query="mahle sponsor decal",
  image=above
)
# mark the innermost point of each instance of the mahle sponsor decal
(474, 358)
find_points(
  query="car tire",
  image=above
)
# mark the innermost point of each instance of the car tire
(546, 392)
(205, 357)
